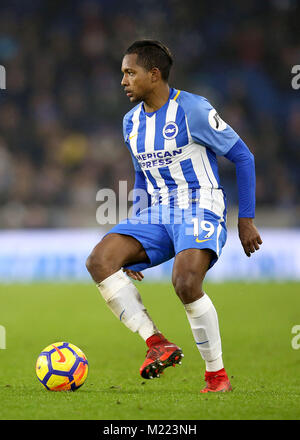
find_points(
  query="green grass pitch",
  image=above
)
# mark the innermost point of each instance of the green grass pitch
(256, 322)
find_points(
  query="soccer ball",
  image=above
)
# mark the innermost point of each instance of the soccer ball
(61, 367)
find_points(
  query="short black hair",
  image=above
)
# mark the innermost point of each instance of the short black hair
(152, 53)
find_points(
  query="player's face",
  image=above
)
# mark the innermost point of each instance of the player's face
(136, 80)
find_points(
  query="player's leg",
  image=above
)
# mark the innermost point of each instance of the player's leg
(120, 294)
(198, 240)
(115, 251)
(189, 270)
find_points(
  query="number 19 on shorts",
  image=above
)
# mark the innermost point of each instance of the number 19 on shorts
(203, 226)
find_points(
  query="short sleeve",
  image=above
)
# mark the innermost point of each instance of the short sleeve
(205, 125)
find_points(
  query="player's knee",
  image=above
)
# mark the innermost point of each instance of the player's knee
(93, 263)
(188, 287)
(90, 263)
(183, 284)
(99, 264)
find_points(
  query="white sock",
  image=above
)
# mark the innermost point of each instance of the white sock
(124, 300)
(204, 323)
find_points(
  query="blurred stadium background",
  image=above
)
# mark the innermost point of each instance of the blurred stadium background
(61, 122)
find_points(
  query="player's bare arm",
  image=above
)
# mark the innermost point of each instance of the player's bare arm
(249, 235)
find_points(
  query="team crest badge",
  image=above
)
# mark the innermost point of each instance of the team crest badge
(170, 130)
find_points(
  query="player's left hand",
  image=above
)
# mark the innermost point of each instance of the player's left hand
(249, 236)
(138, 276)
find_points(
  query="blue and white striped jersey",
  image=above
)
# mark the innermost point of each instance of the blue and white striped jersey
(176, 148)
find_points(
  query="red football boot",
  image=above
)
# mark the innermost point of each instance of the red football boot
(216, 381)
(160, 355)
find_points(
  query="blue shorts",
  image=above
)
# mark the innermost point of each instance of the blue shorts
(164, 232)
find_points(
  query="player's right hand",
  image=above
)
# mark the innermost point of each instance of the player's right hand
(137, 276)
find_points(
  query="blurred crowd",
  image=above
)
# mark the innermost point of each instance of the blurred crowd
(61, 113)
